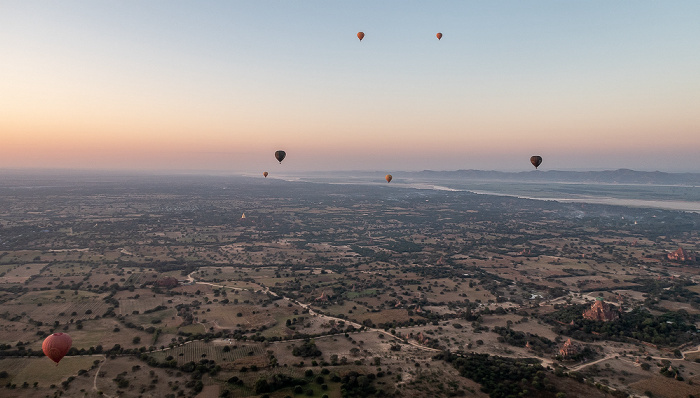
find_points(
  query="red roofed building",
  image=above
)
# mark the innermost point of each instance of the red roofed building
(681, 255)
(569, 349)
(601, 311)
(323, 297)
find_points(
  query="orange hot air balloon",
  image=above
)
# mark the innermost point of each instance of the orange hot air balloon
(388, 178)
(360, 35)
(439, 36)
(280, 155)
(536, 161)
(265, 174)
(56, 346)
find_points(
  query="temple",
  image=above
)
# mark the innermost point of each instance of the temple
(681, 255)
(601, 311)
(569, 349)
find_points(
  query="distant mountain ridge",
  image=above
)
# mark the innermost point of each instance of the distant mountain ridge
(620, 176)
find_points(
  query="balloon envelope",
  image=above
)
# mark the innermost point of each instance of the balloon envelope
(439, 36)
(360, 35)
(56, 346)
(279, 155)
(536, 161)
(265, 174)
(388, 178)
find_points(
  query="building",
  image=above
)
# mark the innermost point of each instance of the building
(569, 349)
(681, 255)
(323, 297)
(601, 311)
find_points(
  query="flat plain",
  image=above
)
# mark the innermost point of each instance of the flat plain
(338, 290)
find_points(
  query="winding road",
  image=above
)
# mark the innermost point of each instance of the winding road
(97, 373)
(307, 307)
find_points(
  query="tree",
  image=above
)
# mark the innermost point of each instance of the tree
(262, 386)
(308, 349)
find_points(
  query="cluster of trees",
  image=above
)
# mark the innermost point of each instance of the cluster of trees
(669, 329)
(398, 324)
(155, 309)
(670, 371)
(277, 382)
(667, 290)
(403, 246)
(500, 377)
(20, 350)
(520, 339)
(356, 385)
(306, 350)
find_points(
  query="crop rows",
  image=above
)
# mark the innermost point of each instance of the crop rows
(137, 278)
(198, 350)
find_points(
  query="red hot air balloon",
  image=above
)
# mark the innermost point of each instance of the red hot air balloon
(536, 161)
(388, 178)
(265, 174)
(360, 35)
(56, 346)
(439, 36)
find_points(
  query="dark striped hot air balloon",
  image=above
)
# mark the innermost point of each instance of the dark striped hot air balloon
(280, 155)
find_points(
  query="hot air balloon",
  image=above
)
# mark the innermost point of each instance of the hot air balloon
(265, 174)
(388, 178)
(536, 161)
(56, 346)
(279, 155)
(360, 35)
(439, 36)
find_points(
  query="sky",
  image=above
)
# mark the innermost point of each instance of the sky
(221, 85)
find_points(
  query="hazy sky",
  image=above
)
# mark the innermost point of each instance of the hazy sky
(221, 85)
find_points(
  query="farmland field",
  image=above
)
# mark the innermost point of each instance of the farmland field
(197, 350)
(43, 370)
(106, 332)
(21, 273)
